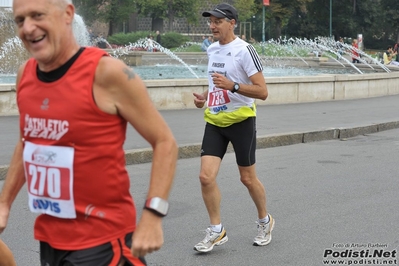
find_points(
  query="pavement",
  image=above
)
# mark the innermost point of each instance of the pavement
(277, 125)
(328, 198)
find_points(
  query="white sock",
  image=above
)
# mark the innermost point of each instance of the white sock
(216, 228)
(264, 220)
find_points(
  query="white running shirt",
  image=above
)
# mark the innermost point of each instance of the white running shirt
(237, 60)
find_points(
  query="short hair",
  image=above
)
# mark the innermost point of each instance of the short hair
(62, 2)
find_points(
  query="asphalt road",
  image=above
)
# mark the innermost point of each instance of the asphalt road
(327, 197)
(272, 120)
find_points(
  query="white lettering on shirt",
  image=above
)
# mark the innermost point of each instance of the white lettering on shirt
(45, 128)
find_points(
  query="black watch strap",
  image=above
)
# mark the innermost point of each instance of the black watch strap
(236, 87)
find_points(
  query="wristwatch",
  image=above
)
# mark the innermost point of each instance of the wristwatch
(157, 205)
(236, 87)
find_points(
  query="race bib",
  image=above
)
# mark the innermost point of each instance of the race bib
(218, 97)
(49, 176)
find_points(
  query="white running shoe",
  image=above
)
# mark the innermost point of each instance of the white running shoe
(211, 239)
(264, 233)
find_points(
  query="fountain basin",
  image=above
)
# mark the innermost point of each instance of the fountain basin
(178, 93)
(139, 58)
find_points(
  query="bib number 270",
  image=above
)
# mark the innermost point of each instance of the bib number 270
(47, 182)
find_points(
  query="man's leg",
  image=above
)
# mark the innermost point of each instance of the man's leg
(255, 188)
(215, 233)
(245, 147)
(209, 188)
(214, 145)
(258, 194)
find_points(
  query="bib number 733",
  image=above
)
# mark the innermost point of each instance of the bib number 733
(218, 97)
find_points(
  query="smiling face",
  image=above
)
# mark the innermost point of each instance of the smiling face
(45, 27)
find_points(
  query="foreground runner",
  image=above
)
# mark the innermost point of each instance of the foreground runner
(74, 105)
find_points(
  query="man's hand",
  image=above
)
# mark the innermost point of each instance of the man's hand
(221, 82)
(199, 100)
(148, 236)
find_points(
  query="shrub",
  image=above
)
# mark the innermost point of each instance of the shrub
(173, 40)
(127, 38)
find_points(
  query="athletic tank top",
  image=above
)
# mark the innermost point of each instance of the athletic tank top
(74, 159)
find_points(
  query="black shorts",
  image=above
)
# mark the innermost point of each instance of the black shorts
(106, 254)
(241, 135)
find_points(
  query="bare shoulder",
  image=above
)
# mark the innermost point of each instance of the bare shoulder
(115, 85)
(111, 70)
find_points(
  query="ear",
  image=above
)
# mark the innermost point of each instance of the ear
(69, 13)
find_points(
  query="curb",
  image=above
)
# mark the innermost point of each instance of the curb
(139, 156)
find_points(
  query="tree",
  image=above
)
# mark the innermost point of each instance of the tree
(170, 9)
(89, 9)
(281, 11)
(391, 13)
(349, 18)
(245, 9)
(113, 12)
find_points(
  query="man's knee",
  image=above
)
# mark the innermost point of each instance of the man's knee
(206, 179)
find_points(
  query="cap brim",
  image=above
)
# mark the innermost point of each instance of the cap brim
(213, 13)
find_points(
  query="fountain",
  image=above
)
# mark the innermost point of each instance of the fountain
(293, 73)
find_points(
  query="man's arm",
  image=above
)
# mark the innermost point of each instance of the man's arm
(15, 178)
(6, 257)
(257, 89)
(14, 181)
(118, 90)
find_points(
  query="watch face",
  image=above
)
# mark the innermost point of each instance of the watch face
(159, 205)
(236, 86)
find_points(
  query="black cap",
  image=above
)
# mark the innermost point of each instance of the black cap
(223, 10)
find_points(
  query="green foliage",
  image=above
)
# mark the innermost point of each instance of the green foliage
(377, 20)
(280, 12)
(245, 9)
(169, 9)
(173, 39)
(89, 10)
(104, 10)
(126, 39)
(119, 10)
